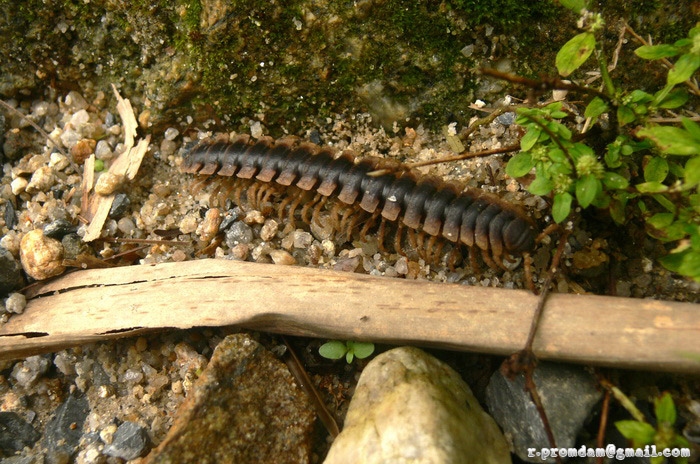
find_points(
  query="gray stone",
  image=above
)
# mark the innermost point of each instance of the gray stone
(65, 428)
(10, 273)
(568, 394)
(409, 407)
(15, 433)
(130, 442)
(239, 232)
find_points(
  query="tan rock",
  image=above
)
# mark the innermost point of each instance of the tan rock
(40, 255)
(411, 408)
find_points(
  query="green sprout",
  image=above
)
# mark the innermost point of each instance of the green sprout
(664, 436)
(336, 349)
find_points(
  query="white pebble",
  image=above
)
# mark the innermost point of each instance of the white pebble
(19, 185)
(42, 180)
(58, 161)
(171, 133)
(79, 118)
(256, 130)
(103, 151)
(16, 303)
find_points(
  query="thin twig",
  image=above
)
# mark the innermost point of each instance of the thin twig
(545, 84)
(603, 424)
(41, 131)
(305, 383)
(466, 155)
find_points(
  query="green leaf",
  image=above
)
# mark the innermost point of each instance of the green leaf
(595, 108)
(671, 140)
(615, 181)
(683, 69)
(520, 164)
(612, 155)
(661, 220)
(362, 349)
(664, 409)
(540, 186)
(333, 350)
(625, 115)
(674, 99)
(561, 206)
(651, 187)
(529, 139)
(692, 127)
(692, 171)
(574, 53)
(656, 169)
(574, 5)
(656, 52)
(349, 356)
(640, 433)
(587, 188)
(690, 266)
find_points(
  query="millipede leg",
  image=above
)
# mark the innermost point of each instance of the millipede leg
(308, 207)
(344, 223)
(488, 260)
(368, 224)
(380, 235)
(317, 210)
(283, 205)
(293, 208)
(397, 240)
(472, 260)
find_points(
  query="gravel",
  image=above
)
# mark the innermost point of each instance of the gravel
(143, 380)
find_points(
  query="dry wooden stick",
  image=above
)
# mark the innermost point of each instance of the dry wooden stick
(97, 304)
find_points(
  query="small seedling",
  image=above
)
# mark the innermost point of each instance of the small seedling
(664, 436)
(336, 349)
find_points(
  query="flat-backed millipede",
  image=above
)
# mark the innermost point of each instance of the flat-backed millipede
(370, 191)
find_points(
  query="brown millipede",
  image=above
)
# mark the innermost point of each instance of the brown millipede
(372, 191)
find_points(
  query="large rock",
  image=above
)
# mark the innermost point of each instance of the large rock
(245, 407)
(568, 394)
(411, 408)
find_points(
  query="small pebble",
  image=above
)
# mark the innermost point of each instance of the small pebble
(18, 185)
(82, 150)
(41, 180)
(209, 227)
(108, 183)
(302, 239)
(254, 217)
(240, 252)
(269, 230)
(171, 133)
(239, 232)
(27, 372)
(282, 257)
(130, 441)
(41, 256)
(103, 151)
(58, 162)
(15, 303)
(120, 205)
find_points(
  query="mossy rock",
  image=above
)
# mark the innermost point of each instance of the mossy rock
(414, 62)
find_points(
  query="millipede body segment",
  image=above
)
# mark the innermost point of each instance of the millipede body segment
(386, 191)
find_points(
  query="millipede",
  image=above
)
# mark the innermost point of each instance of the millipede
(371, 192)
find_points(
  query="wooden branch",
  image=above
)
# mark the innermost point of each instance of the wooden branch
(93, 305)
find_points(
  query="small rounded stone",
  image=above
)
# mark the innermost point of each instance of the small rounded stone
(42, 180)
(108, 183)
(40, 255)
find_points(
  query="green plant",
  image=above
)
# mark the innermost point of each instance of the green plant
(664, 436)
(336, 349)
(649, 166)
